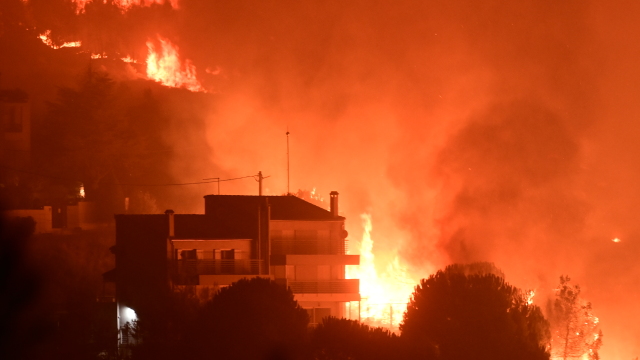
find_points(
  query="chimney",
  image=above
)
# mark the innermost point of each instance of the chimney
(333, 204)
(172, 226)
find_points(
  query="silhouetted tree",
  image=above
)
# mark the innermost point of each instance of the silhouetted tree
(165, 325)
(454, 316)
(251, 319)
(19, 288)
(573, 324)
(102, 133)
(337, 339)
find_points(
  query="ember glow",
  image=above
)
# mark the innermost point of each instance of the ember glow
(164, 66)
(384, 295)
(478, 131)
(129, 59)
(530, 294)
(46, 39)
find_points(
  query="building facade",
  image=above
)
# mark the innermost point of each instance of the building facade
(284, 238)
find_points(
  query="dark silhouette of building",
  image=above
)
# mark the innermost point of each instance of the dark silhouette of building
(15, 128)
(284, 238)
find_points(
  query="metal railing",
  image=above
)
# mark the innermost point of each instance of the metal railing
(218, 267)
(308, 247)
(344, 286)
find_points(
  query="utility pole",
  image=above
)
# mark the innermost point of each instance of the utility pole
(288, 161)
(218, 180)
(259, 179)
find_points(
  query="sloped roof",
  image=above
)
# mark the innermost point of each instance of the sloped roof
(285, 207)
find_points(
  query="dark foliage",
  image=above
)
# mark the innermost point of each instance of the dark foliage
(165, 325)
(342, 339)
(455, 316)
(18, 289)
(250, 319)
(253, 318)
(102, 134)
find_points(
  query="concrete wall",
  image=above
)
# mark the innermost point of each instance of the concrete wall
(43, 218)
(73, 217)
(87, 215)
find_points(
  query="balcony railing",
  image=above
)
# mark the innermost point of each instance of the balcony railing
(219, 267)
(308, 247)
(345, 286)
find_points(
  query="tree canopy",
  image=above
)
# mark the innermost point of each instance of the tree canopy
(458, 314)
(574, 326)
(101, 133)
(252, 318)
(337, 339)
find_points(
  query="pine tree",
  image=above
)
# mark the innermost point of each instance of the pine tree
(574, 327)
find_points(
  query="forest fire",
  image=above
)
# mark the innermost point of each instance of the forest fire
(498, 132)
(530, 294)
(129, 59)
(164, 66)
(384, 295)
(46, 39)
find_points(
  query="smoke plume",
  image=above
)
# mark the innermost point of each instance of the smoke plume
(471, 131)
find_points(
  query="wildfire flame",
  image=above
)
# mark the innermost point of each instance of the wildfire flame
(165, 67)
(530, 294)
(384, 295)
(46, 38)
(129, 59)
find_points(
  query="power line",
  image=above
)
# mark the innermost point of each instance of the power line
(125, 184)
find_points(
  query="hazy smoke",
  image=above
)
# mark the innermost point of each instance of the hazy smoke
(490, 131)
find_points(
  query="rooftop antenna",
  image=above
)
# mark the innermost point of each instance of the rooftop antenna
(288, 193)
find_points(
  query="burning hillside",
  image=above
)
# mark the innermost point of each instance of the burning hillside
(497, 131)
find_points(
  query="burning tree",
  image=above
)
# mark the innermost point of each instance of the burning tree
(574, 327)
(458, 314)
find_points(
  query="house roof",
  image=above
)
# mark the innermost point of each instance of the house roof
(284, 207)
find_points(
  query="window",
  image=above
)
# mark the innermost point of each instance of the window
(227, 254)
(228, 265)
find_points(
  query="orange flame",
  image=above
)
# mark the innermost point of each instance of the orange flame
(165, 67)
(129, 59)
(46, 38)
(384, 295)
(529, 295)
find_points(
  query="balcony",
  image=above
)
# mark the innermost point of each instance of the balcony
(308, 247)
(344, 286)
(191, 267)
(314, 260)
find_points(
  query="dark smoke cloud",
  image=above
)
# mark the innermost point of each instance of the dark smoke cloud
(472, 131)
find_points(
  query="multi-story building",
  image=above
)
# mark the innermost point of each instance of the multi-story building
(285, 238)
(15, 129)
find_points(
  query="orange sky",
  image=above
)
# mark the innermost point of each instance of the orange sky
(497, 131)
